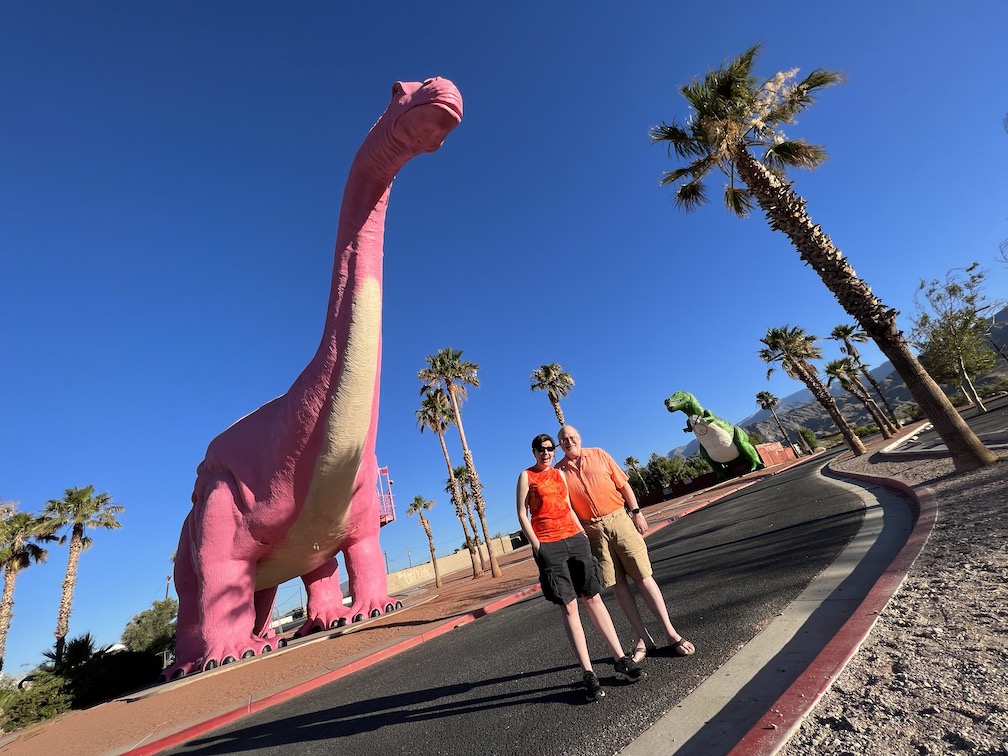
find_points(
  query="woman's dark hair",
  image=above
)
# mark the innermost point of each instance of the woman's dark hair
(542, 438)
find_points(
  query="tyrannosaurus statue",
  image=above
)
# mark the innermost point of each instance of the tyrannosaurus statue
(722, 444)
(285, 488)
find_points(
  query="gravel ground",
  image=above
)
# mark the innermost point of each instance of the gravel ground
(932, 676)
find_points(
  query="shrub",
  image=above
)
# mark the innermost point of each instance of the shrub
(46, 696)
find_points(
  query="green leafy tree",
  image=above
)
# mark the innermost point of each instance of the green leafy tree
(21, 539)
(808, 436)
(152, 630)
(447, 370)
(949, 327)
(47, 696)
(556, 382)
(794, 350)
(417, 507)
(435, 414)
(733, 114)
(848, 334)
(844, 371)
(80, 510)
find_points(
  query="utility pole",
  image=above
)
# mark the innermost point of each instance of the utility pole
(409, 557)
(167, 583)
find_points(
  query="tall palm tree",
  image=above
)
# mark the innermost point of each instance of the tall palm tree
(465, 491)
(844, 371)
(417, 507)
(794, 350)
(447, 370)
(734, 113)
(79, 509)
(556, 382)
(21, 536)
(847, 334)
(768, 401)
(435, 414)
(633, 464)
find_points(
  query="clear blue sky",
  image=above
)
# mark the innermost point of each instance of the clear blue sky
(170, 178)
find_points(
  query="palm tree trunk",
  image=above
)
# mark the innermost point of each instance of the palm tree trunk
(823, 396)
(6, 608)
(967, 451)
(474, 482)
(878, 391)
(66, 598)
(475, 532)
(557, 411)
(786, 212)
(457, 501)
(433, 554)
(787, 438)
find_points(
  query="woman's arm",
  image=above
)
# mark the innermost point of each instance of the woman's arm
(521, 500)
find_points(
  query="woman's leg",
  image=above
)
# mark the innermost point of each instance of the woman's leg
(575, 634)
(599, 616)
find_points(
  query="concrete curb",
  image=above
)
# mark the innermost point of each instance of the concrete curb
(784, 718)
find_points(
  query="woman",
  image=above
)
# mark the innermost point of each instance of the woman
(567, 568)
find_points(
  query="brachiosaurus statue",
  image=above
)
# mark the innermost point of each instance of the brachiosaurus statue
(286, 487)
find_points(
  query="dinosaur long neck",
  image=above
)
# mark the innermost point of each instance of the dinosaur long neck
(340, 385)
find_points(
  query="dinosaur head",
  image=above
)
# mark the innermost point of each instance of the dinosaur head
(422, 113)
(683, 401)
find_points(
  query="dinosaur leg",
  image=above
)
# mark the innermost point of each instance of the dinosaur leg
(264, 600)
(188, 645)
(225, 564)
(325, 608)
(365, 568)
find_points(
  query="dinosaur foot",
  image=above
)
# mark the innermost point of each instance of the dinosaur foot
(373, 608)
(218, 655)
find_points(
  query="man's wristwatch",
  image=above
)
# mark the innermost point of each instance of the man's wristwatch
(634, 511)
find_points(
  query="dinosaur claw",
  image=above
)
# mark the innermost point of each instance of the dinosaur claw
(334, 624)
(228, 659)
(282, 643)
(389, 608)
(211, 664)
(266, 649)
(296, 635)
(341, 622)
(248, 654)
(375, 613)
(358, 617)
(177, 674)
(398, 604)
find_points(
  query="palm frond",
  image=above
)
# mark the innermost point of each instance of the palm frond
(739, 201)
(795, 154)
(690, 195)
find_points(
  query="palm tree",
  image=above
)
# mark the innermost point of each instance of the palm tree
(794, 349)
(80, 509)
(447, 370)
(20, 537)
(556, 383)
(465, 491)
(435, 413)
(844, 370)
(633, 464)
(847, 334)
(768, 401)
(417, 507)
(734, 113)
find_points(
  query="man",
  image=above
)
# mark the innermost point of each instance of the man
(605, 503)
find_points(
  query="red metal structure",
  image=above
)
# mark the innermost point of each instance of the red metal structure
(386, 507)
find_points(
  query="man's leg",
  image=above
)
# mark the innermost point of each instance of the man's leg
(625, 598)
(656, 603)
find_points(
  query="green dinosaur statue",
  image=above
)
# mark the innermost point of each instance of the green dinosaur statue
(722, 444)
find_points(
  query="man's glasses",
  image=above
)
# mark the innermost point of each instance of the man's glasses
(545, 450)
(568, 441)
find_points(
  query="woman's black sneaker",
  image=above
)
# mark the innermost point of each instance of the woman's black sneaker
(593, 690)
(628, 670)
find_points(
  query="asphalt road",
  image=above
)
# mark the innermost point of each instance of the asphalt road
(508, 683)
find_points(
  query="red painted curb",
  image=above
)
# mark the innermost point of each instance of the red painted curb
(777, 726)
(285, 695)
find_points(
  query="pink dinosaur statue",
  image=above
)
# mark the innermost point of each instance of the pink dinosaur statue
(289, 485)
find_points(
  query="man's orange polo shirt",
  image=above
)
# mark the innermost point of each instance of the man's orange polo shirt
(594, 485)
